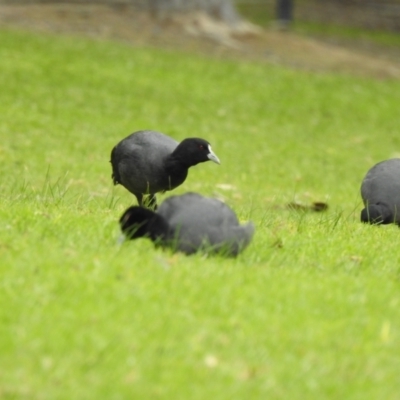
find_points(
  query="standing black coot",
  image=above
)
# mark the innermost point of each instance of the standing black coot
(189, 223)
(380, 191)
(148, 162)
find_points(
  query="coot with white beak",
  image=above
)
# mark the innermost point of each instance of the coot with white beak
(147, 162)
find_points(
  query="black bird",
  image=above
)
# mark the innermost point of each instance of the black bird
(189, 223)
(148, 162)
(380, 191)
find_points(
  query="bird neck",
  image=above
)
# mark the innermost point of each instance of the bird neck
(386, 214)
(176, 169)
(378, 213)
(158, 228)
(179, 158)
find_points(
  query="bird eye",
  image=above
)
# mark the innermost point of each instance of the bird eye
(201, 147)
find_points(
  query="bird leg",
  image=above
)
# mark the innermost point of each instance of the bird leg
(139, 198)
(150, 202)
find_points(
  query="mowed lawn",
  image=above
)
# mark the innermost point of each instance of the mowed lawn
(310, 310)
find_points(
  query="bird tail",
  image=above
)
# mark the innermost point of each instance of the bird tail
(115, 173)
(233, 240)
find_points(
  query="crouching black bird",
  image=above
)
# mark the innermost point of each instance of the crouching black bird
(189, 223)
(380, 192)
(148, 162)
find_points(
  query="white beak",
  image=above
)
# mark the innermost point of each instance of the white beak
(212, 156)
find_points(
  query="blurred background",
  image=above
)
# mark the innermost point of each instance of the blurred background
(369, 14)
(333, 35)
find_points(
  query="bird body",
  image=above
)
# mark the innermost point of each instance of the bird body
(127, 162)
(380, 192)
(148, 162)
(189, 223)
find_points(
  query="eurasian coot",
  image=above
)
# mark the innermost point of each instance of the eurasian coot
(189, 223)
(380, 191)
(148, 162)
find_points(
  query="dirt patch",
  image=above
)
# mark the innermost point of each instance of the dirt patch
(197, 32)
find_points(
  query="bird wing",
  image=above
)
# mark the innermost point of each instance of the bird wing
(200, 222)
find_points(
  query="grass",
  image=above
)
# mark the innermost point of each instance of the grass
(309, 310)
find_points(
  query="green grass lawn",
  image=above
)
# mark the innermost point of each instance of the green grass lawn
(311, 310)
